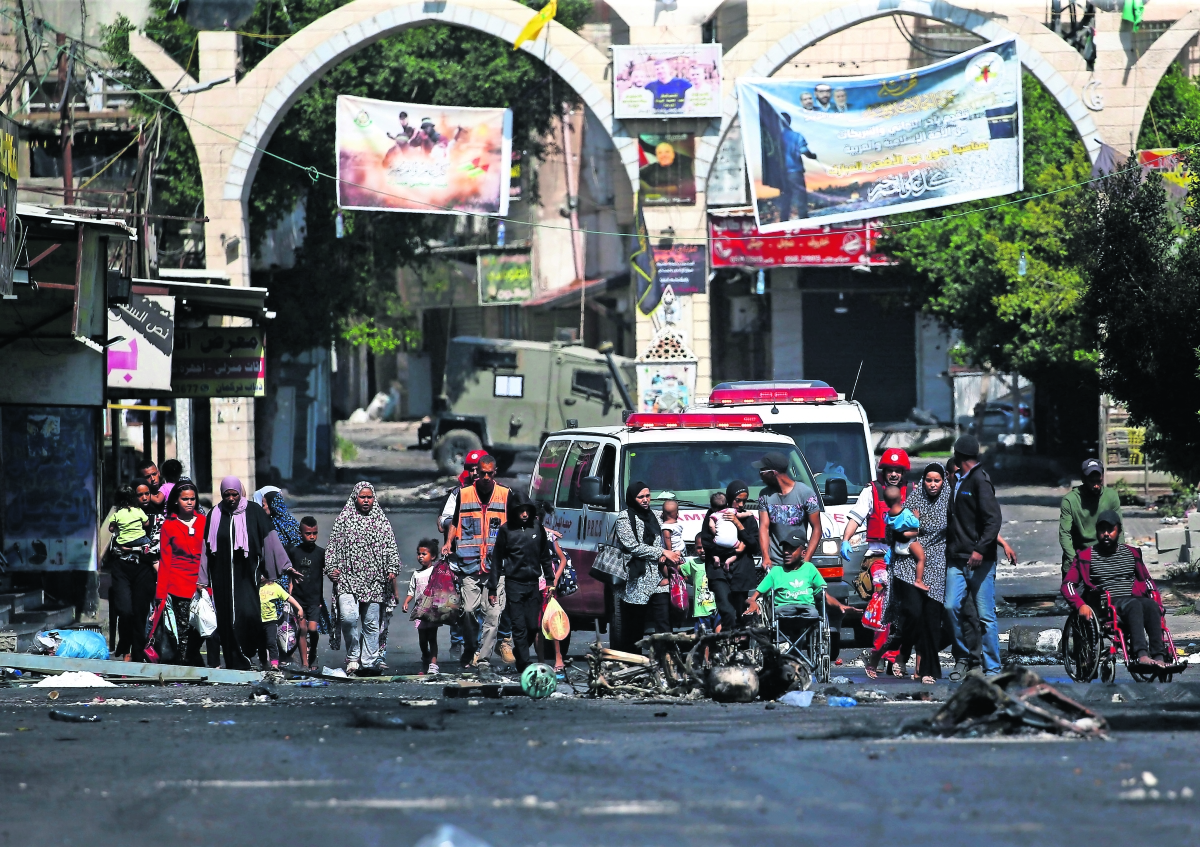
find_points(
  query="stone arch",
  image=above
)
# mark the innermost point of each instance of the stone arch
(1154, 62)
(286, 74)
(763, 57)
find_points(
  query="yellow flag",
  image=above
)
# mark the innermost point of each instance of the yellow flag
(534, 28)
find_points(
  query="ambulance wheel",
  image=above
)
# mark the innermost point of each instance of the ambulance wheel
(452, 448)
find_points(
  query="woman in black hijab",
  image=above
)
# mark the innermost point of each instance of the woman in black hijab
(732, 584)
(645, 593)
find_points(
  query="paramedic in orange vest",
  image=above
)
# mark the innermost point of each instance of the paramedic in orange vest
(479, 512)
(870, 507)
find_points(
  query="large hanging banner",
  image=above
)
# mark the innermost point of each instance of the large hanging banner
(666, 81)
(831, 150)
(406, 157)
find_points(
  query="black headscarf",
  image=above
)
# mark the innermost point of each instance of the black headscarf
(735, 488)
(649, 521)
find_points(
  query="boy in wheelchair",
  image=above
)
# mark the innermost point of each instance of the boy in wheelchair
(791, 588)
(1119, 570)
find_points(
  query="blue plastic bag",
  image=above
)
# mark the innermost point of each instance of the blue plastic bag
(80, 644)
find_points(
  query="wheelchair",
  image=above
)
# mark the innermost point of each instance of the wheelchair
(806, 641)
(1092, 647)
(787, 652)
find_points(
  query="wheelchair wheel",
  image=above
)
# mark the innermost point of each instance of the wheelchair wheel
(823, 667)
(1108, 671)
(1081, 648)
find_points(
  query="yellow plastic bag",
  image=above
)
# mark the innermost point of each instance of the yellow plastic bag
(555, 624)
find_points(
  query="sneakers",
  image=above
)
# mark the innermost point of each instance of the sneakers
(505, 649)
(960, 670)
(433, 669)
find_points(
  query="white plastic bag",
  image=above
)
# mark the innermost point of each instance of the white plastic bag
(203, 617)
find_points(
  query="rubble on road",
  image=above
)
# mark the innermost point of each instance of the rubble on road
(1014, 702)
(734, 667)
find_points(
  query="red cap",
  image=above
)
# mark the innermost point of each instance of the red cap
(894, 457)
(472, 458)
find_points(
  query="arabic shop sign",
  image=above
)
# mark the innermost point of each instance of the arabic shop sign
(735, 241)
(219, 362)
(143, 358)
(505, 279)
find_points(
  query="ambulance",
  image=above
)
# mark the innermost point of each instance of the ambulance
(583, 474)
(833, 435)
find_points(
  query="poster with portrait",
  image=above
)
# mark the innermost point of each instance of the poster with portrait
(50, 503)
(665, 387)
(667, 169)
(409, 157)
(825, 151)
(666, 80)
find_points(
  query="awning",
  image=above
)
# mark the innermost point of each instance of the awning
(203, 298)
(48, 216)
(568, 295)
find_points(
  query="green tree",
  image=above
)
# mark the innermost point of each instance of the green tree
(1173, 111)
(961, 264)
(1143, 274)
(347, 286)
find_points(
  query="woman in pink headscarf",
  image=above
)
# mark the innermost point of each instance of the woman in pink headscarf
(240, 541)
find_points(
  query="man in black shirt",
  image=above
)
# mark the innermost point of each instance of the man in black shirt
(308, 562)
(521, 554)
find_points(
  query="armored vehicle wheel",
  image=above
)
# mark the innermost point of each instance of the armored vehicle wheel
(452, 448)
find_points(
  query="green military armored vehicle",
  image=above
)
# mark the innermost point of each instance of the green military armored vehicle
(506, 396)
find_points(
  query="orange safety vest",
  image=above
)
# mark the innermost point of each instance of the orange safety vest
(473, 516)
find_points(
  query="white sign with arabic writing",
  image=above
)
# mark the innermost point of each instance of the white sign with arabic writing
(142, 358)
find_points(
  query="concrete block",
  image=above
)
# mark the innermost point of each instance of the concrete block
(1185, 555)
(1170, 538)
(1193, 521)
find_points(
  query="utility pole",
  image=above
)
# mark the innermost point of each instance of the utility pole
(64, 115)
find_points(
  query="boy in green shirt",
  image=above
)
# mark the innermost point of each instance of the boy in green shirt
(704, 604)
(792, 591)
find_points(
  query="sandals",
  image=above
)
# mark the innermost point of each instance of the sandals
(873, 673)
(928, 680)
(898, 671)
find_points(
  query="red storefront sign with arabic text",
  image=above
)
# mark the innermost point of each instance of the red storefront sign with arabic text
(735, 242)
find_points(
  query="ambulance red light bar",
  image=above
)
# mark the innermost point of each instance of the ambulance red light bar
(772, 394)
(694, 421)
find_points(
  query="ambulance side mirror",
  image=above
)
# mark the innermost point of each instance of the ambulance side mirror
(591, 492)
(836, 492)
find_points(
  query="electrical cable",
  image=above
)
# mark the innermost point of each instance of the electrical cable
(315, 173)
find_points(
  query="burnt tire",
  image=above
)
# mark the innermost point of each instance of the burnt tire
(616, 626)
(452, 448)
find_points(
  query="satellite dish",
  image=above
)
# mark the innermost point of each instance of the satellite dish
(219, 14)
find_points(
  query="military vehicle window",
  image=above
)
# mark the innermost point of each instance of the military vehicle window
(590, 384)
(509, 386)
(491, 358)
(545, 475)
(607, 469)
(575, 468)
